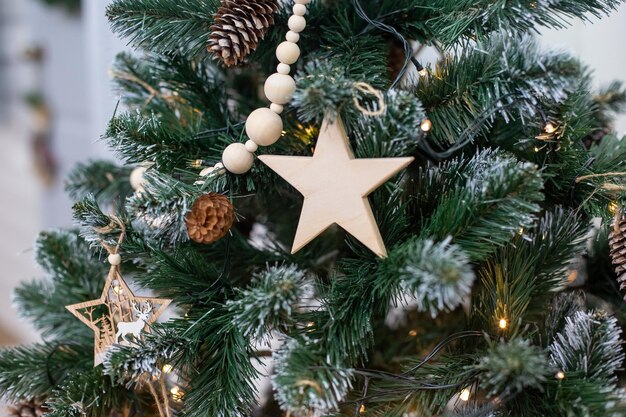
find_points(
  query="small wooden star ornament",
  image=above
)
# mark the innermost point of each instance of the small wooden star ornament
(118, 316)
(335, 186)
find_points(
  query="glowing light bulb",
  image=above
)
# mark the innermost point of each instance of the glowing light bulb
(167, 368)
(560, 375)
(426, 125)
(520, 231)
(117, 289)
(503, 324)
(413, 333)
(613, 206)
(537, 149)
(362, 409)
(550, 128)
(423, 72)
(465, 395)
(175, 391)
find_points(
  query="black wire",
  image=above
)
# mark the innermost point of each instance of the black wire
(470, 132)
(408, 50)
(440, 346)
(54, 350)
(468, 135)
(208, 133)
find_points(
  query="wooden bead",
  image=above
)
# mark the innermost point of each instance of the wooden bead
(251, 146)
(283, 69)
(299, 9)
(277, 108)
(264, 127)
(297, 23)
(288, 52)
(237, 159)
(292, 36)
(279, 88)
(115, 259)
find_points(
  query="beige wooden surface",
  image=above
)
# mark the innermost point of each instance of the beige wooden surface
(335, 187)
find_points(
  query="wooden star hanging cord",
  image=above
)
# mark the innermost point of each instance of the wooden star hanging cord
(118, 316)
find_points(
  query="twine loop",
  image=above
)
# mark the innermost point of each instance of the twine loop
(367, 89)
(310, 383)
(115, 223)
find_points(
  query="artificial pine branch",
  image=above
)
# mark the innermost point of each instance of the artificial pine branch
(102, 179)
(512, 366)
(271, 301)
(589, 344)
(74, 275)
(88, 393)
(451, 21)
(34, 371)
(467, 91)
(499, 197)
(164, 25)
(436, 276)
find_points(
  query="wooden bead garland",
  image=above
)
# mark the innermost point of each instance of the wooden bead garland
(279, 88)
(237, 159)
(288, 52)
(264, 126)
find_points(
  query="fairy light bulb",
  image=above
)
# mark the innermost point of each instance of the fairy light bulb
(465, 395)
(362, 409)
(549, 128)
(503, 324)
(426, 125)
(613, 206)
(167, 368)
(117, 289)
(423, 72)
(177, 393)
(560, 375)
(413, 333)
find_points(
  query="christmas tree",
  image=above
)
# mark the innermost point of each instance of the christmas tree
(340, 229)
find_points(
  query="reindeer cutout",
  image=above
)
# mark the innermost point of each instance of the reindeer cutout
(133, 327)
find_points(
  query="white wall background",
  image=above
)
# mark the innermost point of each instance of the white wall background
(80, 51)
(599, 43)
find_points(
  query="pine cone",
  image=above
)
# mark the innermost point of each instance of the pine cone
(617, 243)
(27, 408)
(211, 217)
(239, 27)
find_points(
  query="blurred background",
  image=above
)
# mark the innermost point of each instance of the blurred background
(55, 101)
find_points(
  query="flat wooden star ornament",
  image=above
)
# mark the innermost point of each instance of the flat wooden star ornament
(118, 316)
(335, 186)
